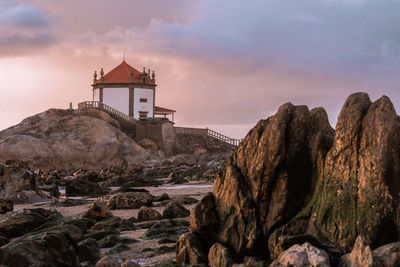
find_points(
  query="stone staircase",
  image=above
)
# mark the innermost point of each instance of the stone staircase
(209, 134)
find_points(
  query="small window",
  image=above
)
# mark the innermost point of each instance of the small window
(143, 114)
(143, 100)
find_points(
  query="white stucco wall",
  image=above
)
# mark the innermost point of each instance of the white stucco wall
(117, 98)
(138, 106)
(96, 94)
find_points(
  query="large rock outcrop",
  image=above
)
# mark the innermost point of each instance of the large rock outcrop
(76, 138)
(18, 183)
(293, 175)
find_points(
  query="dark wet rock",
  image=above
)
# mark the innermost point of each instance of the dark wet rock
(51, 189)
(387, 255)
(109, 241)
(82, 223)
(118, 249)
(73, 231)
(3, 240)
(148, 214)
(68, 202)
(189, 250)
(175, 210)
(113, 239)
(163, 250)
(88, 250)
(80, 186)
(20, 223)
(167, 229)
(166, 240)
(98, 211)
(6, 205)
(219, 256)
(108, 224)
(204, 219)
(141, 181)
(303, 255)
(177, 177)
(128, 224)
(162, 197)
(182, 200)
(18, 183)
(128, 200)
(48, 249)
(98, 235)
(169, 263)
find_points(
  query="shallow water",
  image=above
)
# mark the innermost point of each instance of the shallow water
(187, 186)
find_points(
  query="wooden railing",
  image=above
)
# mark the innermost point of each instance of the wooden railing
(208, 133)
(113, 112)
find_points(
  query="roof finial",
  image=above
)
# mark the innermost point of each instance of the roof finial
(153, 76)
(95, 77)
(124, 56)
(101, 74)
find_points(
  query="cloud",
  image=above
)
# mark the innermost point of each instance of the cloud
(24, 29)
(12, 14)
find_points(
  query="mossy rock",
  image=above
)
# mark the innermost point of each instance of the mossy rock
(118, 249)
(88, 250)
(98, 235)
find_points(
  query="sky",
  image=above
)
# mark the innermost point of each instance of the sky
(222, 64)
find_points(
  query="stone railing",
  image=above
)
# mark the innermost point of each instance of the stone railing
(208, 133)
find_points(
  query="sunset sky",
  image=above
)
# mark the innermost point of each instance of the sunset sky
(219, 64)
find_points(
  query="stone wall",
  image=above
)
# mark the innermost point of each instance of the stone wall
(161, 132)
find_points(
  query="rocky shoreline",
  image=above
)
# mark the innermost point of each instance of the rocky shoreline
(296, 192)
(118, 216)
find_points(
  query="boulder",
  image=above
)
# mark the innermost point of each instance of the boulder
(387, 255)
(48, 249)
(69, 139)
(270, 177)
(189, 250)
(88, 250)
(107, 261)
(127, 200)
(303, 255)
(162, 197)
(19, 223)
(80, 186)
(98, 211)
(6, 205)
(148, 144)
(360, 190)
(170, 229)
(18, 183)
(204, 219)
(51, 189)
(148, 214)
(219, 256)
(175, 210)
(294, 176)
(361, 255)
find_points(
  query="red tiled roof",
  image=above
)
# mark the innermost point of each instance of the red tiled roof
(121, 74)
(163, 110)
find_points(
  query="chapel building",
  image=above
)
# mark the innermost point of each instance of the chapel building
(129, 91)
